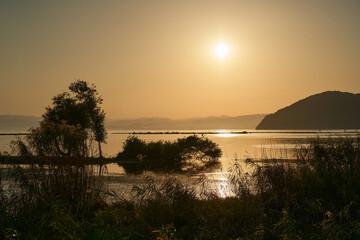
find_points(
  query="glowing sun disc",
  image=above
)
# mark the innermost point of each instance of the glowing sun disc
(221, 50)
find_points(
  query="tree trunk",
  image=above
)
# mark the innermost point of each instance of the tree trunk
(100, 169)
(100, 151)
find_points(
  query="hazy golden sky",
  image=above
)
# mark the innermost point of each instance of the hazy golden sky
(156, 58)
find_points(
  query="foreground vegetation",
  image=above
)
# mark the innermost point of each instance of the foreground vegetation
(314, 197)
(10, 159)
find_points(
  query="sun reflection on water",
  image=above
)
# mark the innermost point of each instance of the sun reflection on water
(225, 134)
(223, 187)
(219, 183)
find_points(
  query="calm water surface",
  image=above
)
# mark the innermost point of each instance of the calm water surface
(236, 148)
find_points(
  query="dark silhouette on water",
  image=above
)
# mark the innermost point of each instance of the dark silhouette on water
(192, 153)
(327, 110)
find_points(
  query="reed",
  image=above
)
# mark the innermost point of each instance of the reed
(315, 196)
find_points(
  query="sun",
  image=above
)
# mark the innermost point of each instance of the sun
(221, 50)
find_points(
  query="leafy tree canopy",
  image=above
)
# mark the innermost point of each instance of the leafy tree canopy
(71, 124)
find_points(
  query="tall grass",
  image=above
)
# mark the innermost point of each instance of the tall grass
(316, 196)
(50, 201)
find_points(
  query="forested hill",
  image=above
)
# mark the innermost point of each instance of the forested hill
(327, 110)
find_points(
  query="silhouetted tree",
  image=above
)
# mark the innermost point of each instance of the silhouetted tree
(88, 96)
(70, 124)
(58, 139)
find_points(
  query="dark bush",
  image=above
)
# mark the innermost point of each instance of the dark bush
(192, 153)
(315, 196)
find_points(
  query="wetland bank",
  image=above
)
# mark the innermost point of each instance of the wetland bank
(313, 196)
(63, 182)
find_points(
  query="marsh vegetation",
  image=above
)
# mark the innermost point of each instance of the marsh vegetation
(192, 153)
(57, 195)
(315, 196)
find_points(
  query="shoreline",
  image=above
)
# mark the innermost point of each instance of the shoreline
(352, 131)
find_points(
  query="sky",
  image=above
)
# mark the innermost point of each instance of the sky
(156, 58)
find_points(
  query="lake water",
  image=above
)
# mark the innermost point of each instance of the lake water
(254, 144)
(235, 147)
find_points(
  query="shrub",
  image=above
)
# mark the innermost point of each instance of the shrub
(315, 196)
(193, 152)
(323, 180)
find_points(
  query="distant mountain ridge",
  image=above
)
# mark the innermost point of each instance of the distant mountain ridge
(327, 110)
(15, 123)
(222, 122)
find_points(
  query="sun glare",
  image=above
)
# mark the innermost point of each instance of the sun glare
(221, 50)
(225, 134)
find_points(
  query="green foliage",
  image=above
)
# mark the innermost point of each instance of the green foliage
(69, 126)
(165, 232)
(193, 152)
(5, 227)
(132, 147)
(319, 192)
(119, 221)
(53, 221)
(286, 228)
(58, 139)
(75, 186)
(199, 148)
(49, 202)
(313, 197)
(20, 148)
(87, 95)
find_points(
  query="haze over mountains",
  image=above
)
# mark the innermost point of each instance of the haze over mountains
(327, 110)
(222, 122)
(14, 123)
